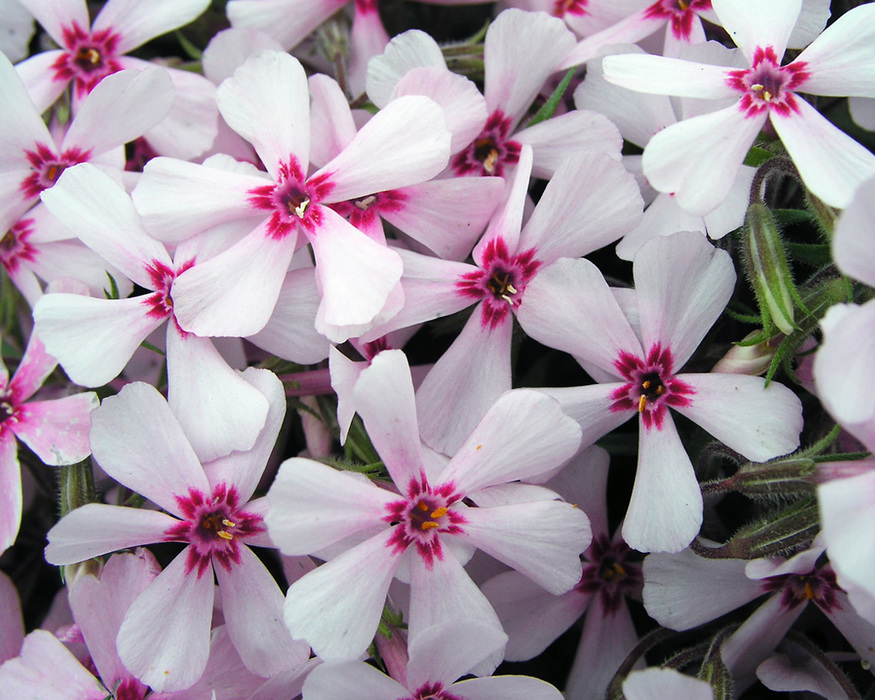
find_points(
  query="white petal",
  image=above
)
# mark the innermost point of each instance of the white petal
(22, 126)
(288, 21)
(55, 15)
(412, 49)
(660, 75)
(137, 23)
(771, 25)
(660, 683)
(853, 243)
(332, 126)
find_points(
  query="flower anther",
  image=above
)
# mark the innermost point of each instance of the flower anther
(767, 85)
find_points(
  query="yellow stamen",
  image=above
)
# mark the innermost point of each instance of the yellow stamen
(363, 204)
(225, 535)
(646, 384)
(767, 95)
(683, 5)
(439, 512)
(430, 525)
(507, 299)
(511, 289)
(757, 87)
(809, 593)
(422, 506)
(228, 523)
(642, 402)
(660, 390)
(490, 160)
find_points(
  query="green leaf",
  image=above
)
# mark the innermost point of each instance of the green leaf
(553, 101)
(814, 254)
(756, 156)
(190, 49)
(113, 292)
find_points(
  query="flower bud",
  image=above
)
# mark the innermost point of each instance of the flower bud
(743, 358)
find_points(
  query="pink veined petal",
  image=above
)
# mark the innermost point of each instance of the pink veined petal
(172, 655)
(336, 607)
(521, 51)
(853, 243)
(140, 443)
(665, 511)
(383, 398)
(276, 122)
(244, 469)
(22, 126)
(464, 107)
(532, 617)
(679, 589)
(449, 650)
(683, 283)
(229, 294)
(11, 621)
(57, 431)
(252, 606)
(608, 638)
(523, 434)
(102, 215)
(404, 143)
(38, 77)
(10, 490)
(121, 108)
(55, 15)
(313, 505)
(356, 274)
(659, 683)
(99, 606)
(93, 339)
(332, 126)
(569, 306)
(739, 410)
(698, 159)
(36, 364)
(667, 76)
(288, 21)
(541, 539)
(179, 199)
(459, 390)
(405, 52)
(96, 529)
(771, 25)
(348, 679)
(138, 22)
(590, 407)
(830, 162)
(218, 410)
(840, 60)
(47, 670)
(591, 201)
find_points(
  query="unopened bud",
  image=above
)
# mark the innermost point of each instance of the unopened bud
(744, 358)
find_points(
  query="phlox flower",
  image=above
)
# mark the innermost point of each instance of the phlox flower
(89, 52)
(697, 159)
(438, 656)
(428, 525)
(232, 294)
(682, 284)
(137, 441)
(55, 430)
(583, 17)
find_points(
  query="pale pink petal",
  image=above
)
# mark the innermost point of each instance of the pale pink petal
(591, 201)
(36, 364)
(449, 650)
(57, 430)
(172, 655)
(661, 75)
(252, 606)
(590, 407)
(288, 21)
(584, 482)
(662, 218)
(18, 30)
(412, 49)
(853, 244)
(665, 511)
(507, 688)
(336, 607)
(136, 23)
(10, 490)
(228, 294)
(661, 683)
(698, 159)
(811, 21)
(404, 143)
(739, 410)
(179, 199)
(797, 670)
(93, 339)
(523, 434)
(459, 390)
(464, 107)
(629, 30)
(832, 164)
(770, 26)
(217, 409)
(101, 214)
(521, 51)
(356, 276)
(99, 606)
(344, 375)
(349, 679)
(383, 398)
(276, 122)
(22, 126)
(684, 590)
(858, 631)
(541, 539)
(46, 670)
(229, 49)
(120, 108)
(96, 529)
(37, 75)
(683, 284)
(569, 306)
(11, 621)
(367, 39)
(55, 15)
(123, 438)
(313, 506)
(332, 126)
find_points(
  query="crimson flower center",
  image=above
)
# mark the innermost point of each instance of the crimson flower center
(491, 151)
(426, 517)
(767, 85)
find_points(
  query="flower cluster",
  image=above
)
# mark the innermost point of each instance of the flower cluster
(351, 364)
